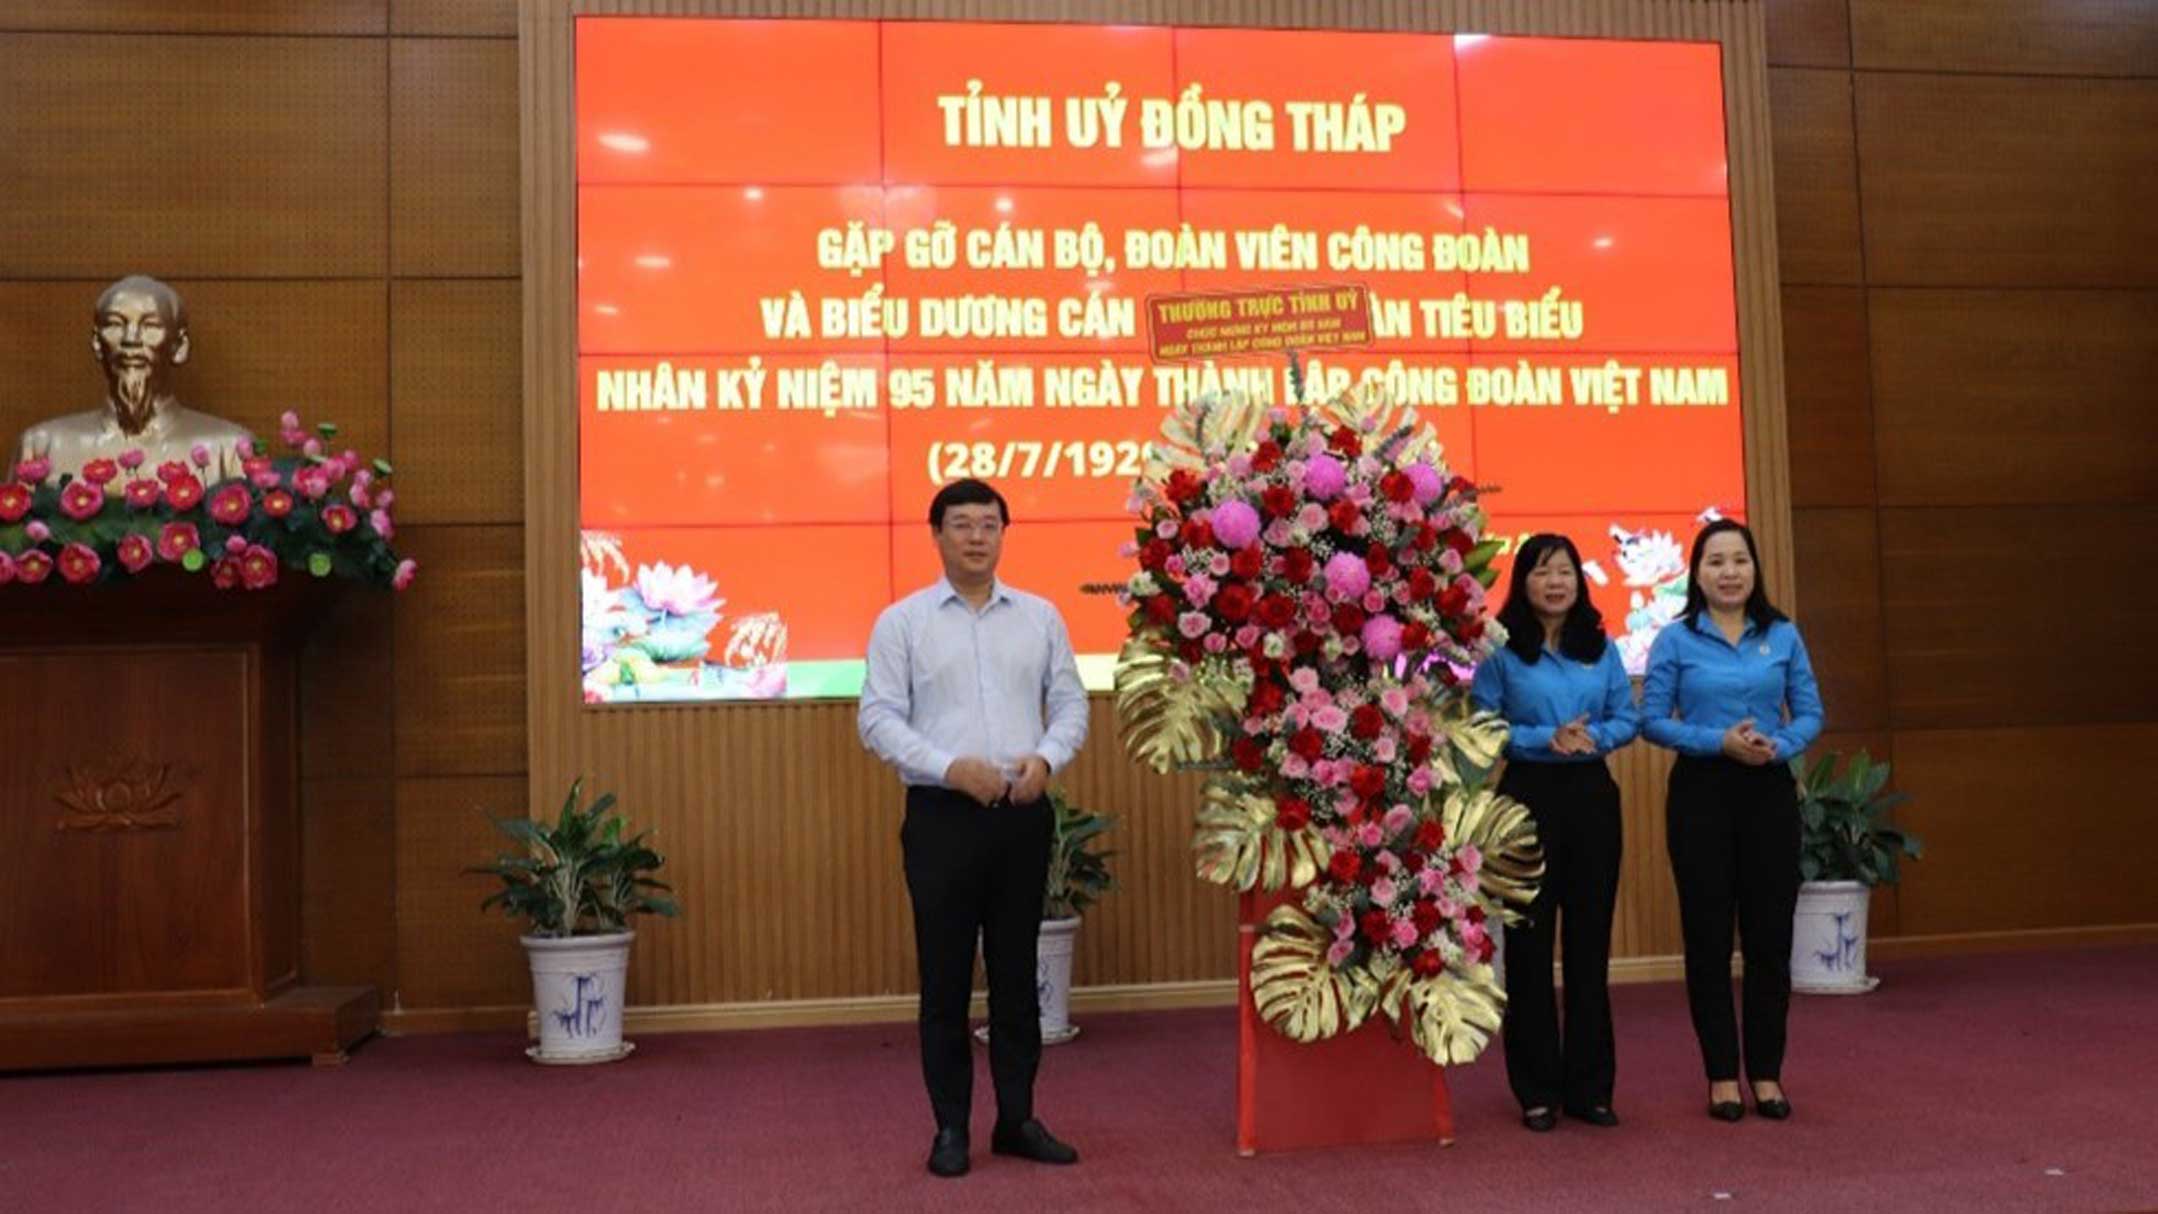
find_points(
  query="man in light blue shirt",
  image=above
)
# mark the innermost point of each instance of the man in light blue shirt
(973, 696)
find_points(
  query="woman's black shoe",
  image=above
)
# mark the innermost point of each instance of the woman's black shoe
(1778, 1109)
(1599, 1115)
(1543, 1121)
(1726, 1110)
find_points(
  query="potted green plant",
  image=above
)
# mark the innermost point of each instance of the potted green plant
(1078, 877)
(1846, 847)
(576, 885)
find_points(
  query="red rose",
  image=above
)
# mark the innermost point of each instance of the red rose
(1344, 515)
(1191, 651)
(1379, 561)
(184, 491)
(1154, 554)
(1459, 484)
(1422, 586)
(1296, 565)
(1486, 950)
(1348, 619)
(1415, 636)
(100, 472)
(1161, 609)
(1426, 914)
(1250, 756)
(1454, 601)
(232, 504)
(1413, 863)
(14, 501)
(1369, 780)
(1367, 722)
(1277, 501)
(1343, 867)
(1397, 487)
(1344, 442)
(258, 567)
(1183, 486)
(1266, 699)
(1233, 602)
(171, 470)
(1460, 542)
(1248, 562)
(1374, 926)
(1307, 744)
(1428, 964)
(1473, 629)
(1427, 537)
(144, 494)
(1476, 914)
(135, 552)
(277, 503)
(225, 574)
(1266, 456)
(1198, 534)
(176, 540)
(1419, 747)
(1430, 835)
(1294, 814)
(1307, 642)
(1277, 611)
(33, 567)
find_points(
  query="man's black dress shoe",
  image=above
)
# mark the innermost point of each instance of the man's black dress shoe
(1726, 1110)
(1543, 1121)
(1597, 1115)
(1030, 1139)
(948, 1154)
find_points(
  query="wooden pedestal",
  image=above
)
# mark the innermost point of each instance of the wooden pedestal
(149, 828)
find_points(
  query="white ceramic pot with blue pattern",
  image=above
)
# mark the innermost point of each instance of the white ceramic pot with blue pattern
(578, 985)
(1828, 939)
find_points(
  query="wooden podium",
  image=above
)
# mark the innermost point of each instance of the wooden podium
(149, 827)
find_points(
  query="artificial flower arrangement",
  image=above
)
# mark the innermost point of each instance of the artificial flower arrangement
(1306, 614)
(306, 510)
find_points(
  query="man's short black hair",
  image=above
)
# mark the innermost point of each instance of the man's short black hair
(968, 492)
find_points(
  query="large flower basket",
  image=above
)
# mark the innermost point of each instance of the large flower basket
(1306, 613)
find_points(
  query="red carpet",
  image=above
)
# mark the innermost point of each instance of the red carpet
(2017, 1082)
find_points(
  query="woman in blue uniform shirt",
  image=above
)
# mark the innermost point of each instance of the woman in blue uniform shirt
(1720, 679)
(1565, 696)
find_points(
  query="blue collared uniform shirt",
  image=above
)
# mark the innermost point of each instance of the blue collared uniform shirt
(946, 681)
(1714, 684)
(1538, 697)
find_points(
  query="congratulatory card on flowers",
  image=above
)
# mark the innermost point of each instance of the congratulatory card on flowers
(826, 267)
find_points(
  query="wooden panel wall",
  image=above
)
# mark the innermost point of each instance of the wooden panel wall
(1971, 329)
(1964, 321)
(332, 184)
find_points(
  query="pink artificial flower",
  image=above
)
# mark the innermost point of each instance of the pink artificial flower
(1344, 926)
(1324, 477)
(1374, 600)
(33, 567)
(1175, 566)
(1471, 859)
(14, 501)
(264, 480)
(1420, 781)
(132, 458)
(171, 470)
(1125, 551)
(1425, 482)
(1330, 719)
(81, 501)
(1395, 700)
(1405, 935)
(1236, 524)
(312, 448)
(1430, 881)
(136, 552)
(1470, 883)
(258, 567)
(1347, 576)
(313, 482)
(1398, 819)
(1247, 636)
(183, 491)
(1193, 624)
(79, 563)
(1218, 564)
(405, 571)
(37, 530)
(277, 503)
(245, 449)
(1304, 679)
(33, 471)
(231, 505)
(144, 494)
(100, 472)
(1369, 834)
(200, 453)
(1311, 517)
(339, 518)
(176, 540)
(1382, 637)
(288, 420)
(1293, 767)
(225, 574)
(1215, 643)
(1338, 952)
(235, 544)
(1385, 749)
(1198, 589)
(7, 568)
(1384, 891)
(1166, 529)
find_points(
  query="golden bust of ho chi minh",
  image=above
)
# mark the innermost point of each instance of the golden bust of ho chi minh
(138, 334)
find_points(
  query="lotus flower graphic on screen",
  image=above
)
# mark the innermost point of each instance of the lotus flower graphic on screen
(679, 606)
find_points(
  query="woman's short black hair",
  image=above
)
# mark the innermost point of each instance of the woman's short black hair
(1758, 608)
(968, 492)
(1581, 636)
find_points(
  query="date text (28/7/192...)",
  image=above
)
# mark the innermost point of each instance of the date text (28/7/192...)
(1035, 459)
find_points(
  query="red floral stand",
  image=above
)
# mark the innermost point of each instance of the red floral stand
(1361, 1087)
